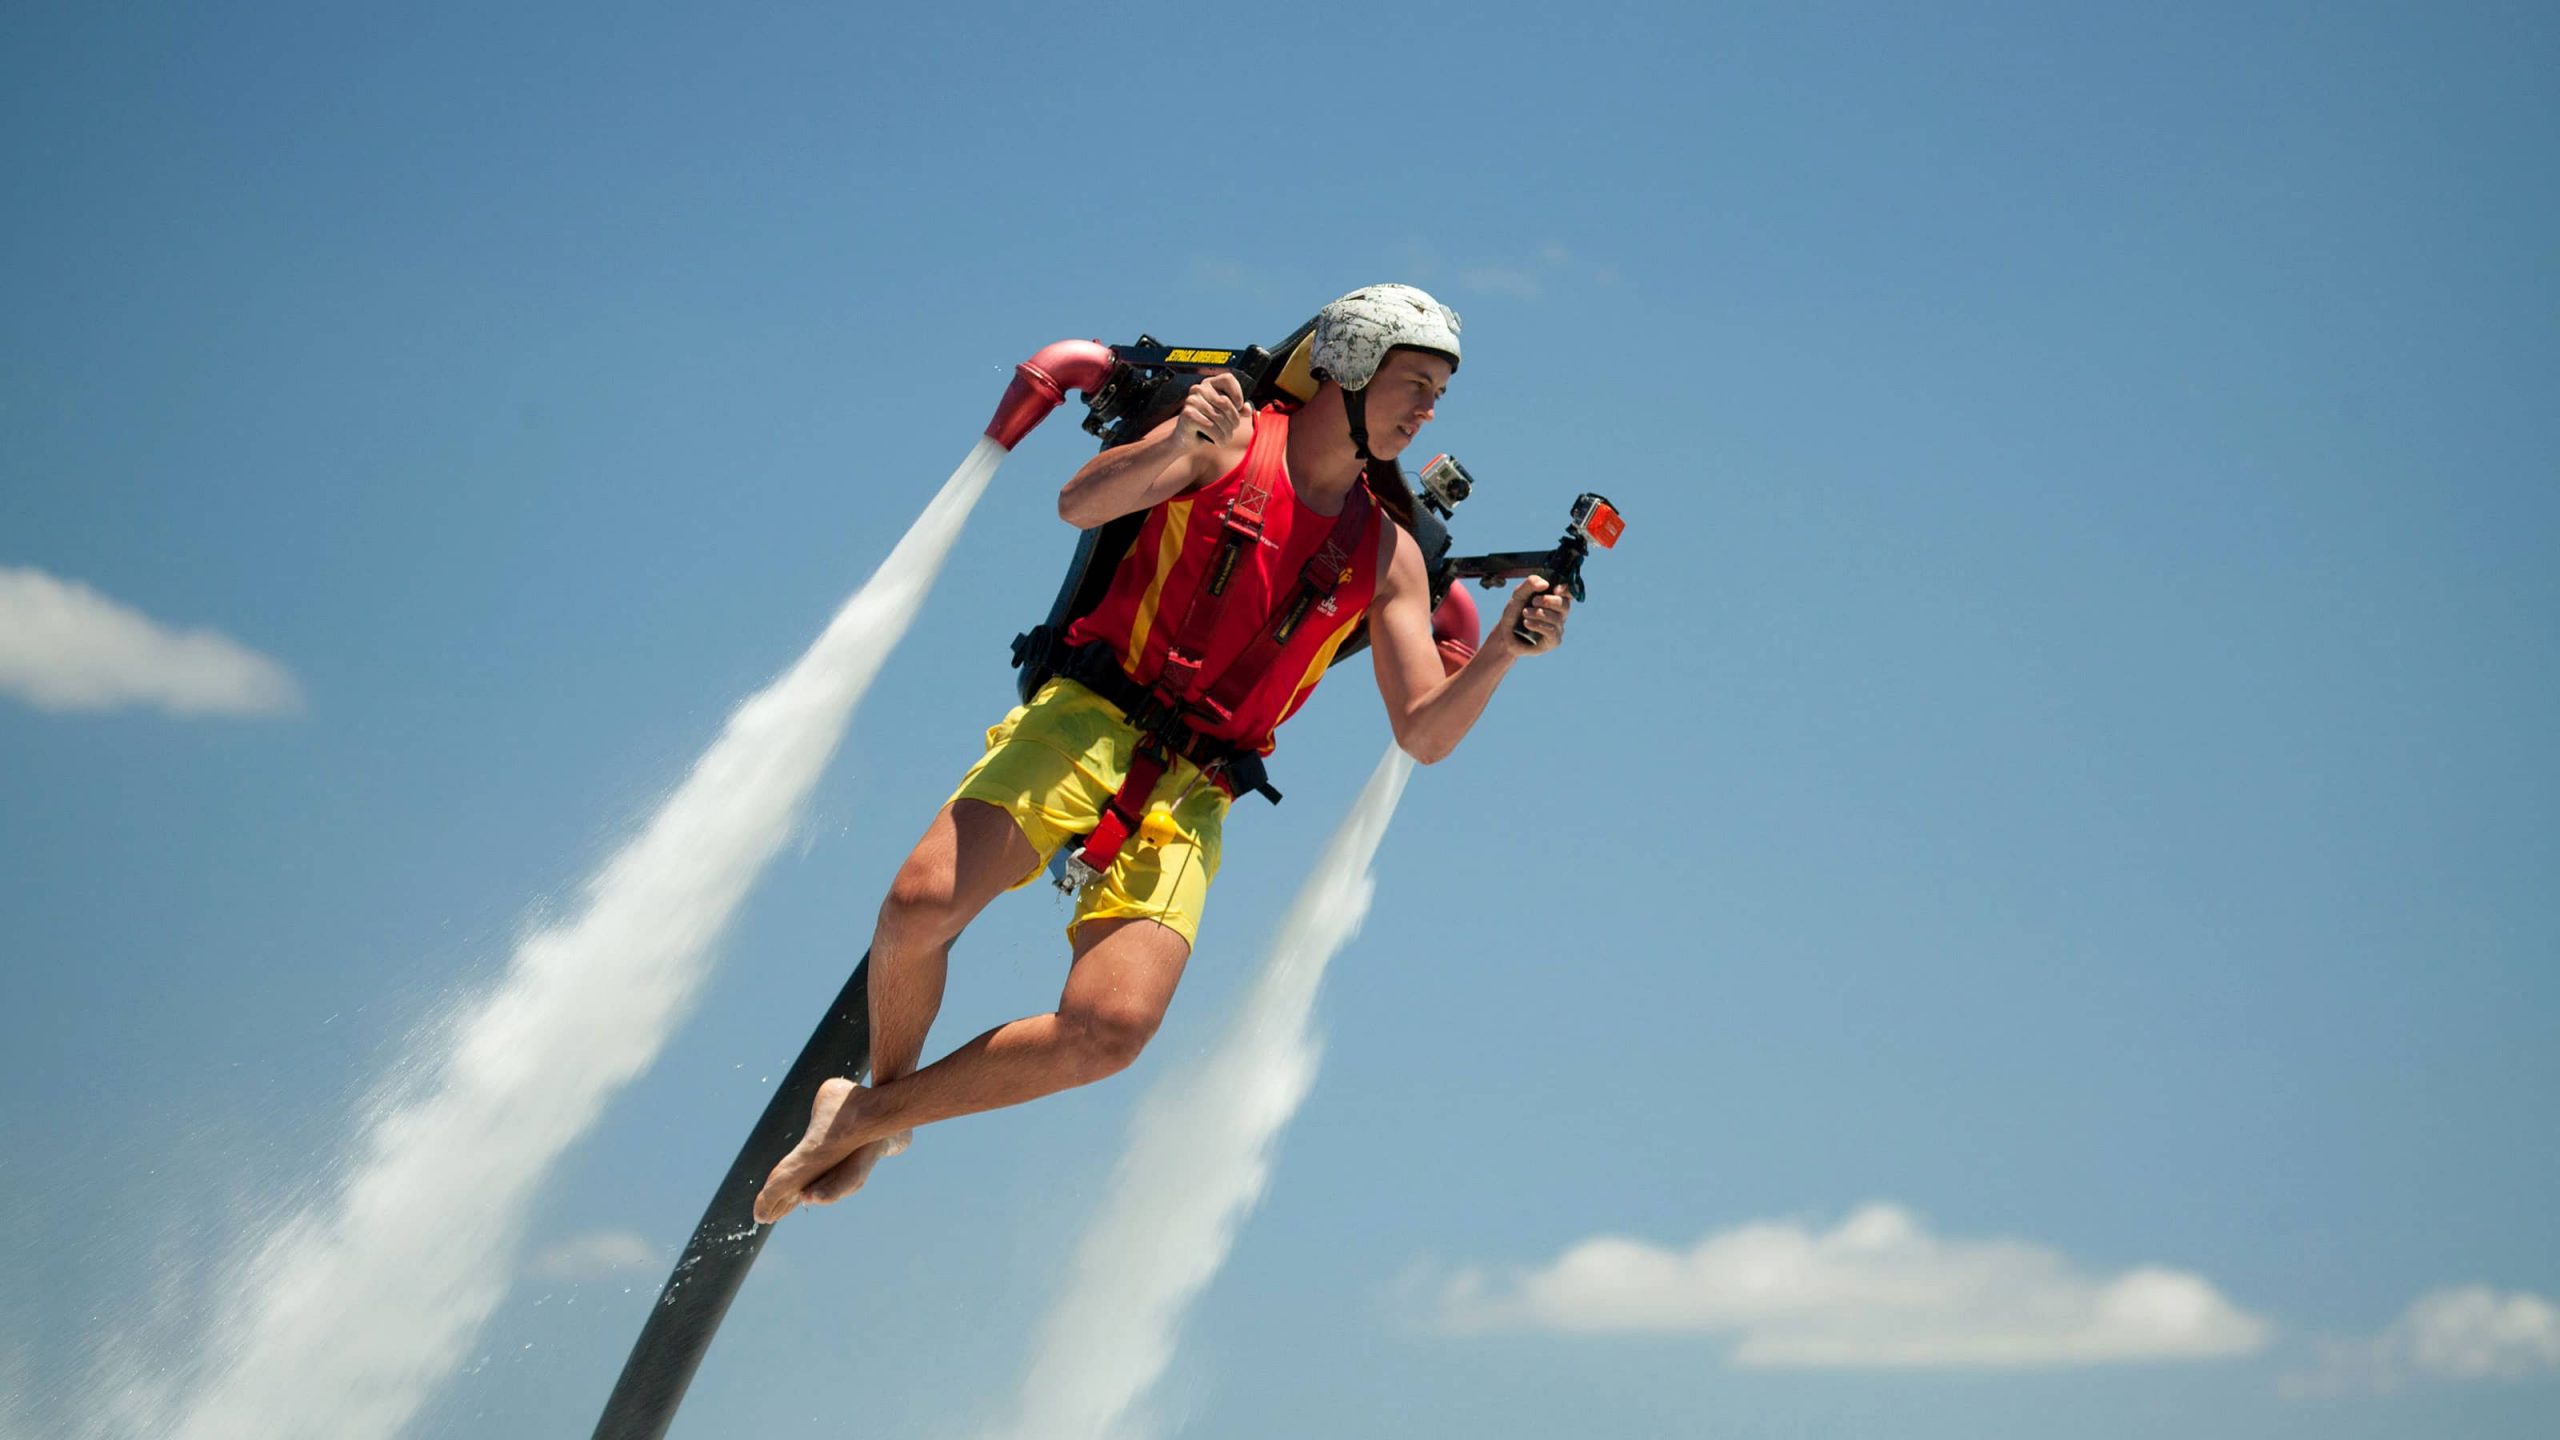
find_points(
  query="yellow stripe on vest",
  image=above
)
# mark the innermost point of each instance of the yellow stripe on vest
(1322, 662)
(1177, 520)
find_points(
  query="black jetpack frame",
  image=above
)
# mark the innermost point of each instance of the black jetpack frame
(1146, 385)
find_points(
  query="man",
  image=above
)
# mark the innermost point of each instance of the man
(1276, 504)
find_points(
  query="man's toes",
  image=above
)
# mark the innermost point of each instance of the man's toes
(783, 1188)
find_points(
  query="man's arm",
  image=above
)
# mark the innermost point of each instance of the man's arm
(1174, 457)
(1431, 710)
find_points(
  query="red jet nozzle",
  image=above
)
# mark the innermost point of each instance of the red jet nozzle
(1040, 385)
(1456, 630)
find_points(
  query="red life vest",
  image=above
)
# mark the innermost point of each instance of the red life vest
(1167, 569)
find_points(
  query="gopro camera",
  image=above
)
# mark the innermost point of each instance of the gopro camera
(1445, 482)
(1596, 520)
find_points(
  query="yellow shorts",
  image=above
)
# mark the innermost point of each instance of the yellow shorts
(1055, 763)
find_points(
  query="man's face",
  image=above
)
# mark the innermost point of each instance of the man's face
(1401, 398)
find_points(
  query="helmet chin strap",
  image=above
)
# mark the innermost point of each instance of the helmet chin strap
(1355, 408)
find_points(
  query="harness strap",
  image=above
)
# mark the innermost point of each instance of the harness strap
(1119, 818)
(1162, 712)
(1241, 528)
(1231, 768)
(1326, 571)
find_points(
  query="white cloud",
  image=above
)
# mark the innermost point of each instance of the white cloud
(2476, 1333)
(64, 646)
(594, 1255)
(2466, 1333)
(1877, 1291)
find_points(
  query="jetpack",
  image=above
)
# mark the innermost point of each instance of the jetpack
(1128, 390)
(1131, 389)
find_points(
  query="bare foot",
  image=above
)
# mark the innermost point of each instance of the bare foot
(833, 1136)
(851, 1172)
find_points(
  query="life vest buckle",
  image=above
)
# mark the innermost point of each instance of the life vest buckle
(1180, 676)
(1074, 874)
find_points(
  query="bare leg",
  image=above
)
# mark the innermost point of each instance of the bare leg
(969, 855)
(1123, 979)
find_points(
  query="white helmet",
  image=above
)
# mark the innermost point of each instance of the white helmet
(1354, 333)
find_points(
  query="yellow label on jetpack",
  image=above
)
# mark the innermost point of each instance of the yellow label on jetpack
(1199, 357)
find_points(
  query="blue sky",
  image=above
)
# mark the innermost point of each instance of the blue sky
(2061, 753)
